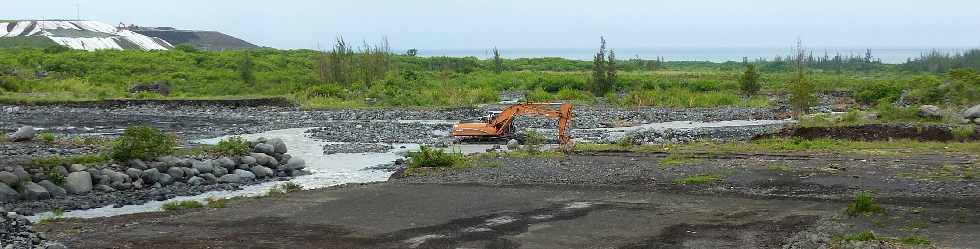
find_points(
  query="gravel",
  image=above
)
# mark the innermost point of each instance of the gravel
(356, 148)
(16, 232)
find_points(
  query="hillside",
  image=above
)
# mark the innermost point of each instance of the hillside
(204, 40)
(82, 35)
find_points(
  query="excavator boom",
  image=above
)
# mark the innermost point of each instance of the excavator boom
(500, 125)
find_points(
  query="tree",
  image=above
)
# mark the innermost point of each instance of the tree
(801, 91)
(412, 52)
(498, 63)
(610, 71)
(748, 83)
(246, 70)
(599, 69)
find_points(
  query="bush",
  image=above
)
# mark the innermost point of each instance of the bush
(56, 178)
(864, 203)
(428, 157)
(533, 140)
(142, 142)
(217, 202)
(182, 205)
(47, 137)
(233, 146)
(748, 83)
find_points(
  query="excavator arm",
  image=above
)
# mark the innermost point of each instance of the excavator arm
(500, 125)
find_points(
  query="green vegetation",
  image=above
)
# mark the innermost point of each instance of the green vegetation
(428, 157)
(47, 137)
(373, 76)
(869, 235)
(749, 83)
(864, 203)
(233, 146)
(697, 180)
(55, 215)
(781, 167)
(217, 202)
(285, 188)
(182, 205)
(142, 142)
(801, 89)
(533, 141)
(52, 161)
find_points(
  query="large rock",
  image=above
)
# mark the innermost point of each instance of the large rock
(279, 147)
(53, 189)
(296, 164)
(166, 179)
(9, 178)
(195, 181)
(972, 113)
(138, 164)
(262, 172)
(25, 133)
(118, 178)
(265, 148)
(230, 178)
(22, 174)
(513, 144)
(170, 161)
(32, 192)
(176, 172)
(219, 171)
(929, 111)
(245, 174)
(261, 158)
(210, 178)
(151, 175)
(8, 194)
(77, 168)
(249, 160)
(204, 167)
(134, 173)
(78, 182)
(226, 163)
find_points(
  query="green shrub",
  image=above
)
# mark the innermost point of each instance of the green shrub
(290, 187)
(533, 140)
(47, 137)
(961, 132)
(216, 202)
(864, 203)
(56, 178)
(233, 146)
(749, 83)
(142, 142)
(428, 157)
(862, 236)
(181, 205)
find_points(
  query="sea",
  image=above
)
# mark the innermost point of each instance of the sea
(715, 54)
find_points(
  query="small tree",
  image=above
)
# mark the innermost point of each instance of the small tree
(748, 83)
(246, 69)
(599, 69)
(412, 52)
(498, 63)
(801, 91)
(610, 72)
(142, 142)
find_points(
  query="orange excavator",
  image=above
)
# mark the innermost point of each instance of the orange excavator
(500, 125)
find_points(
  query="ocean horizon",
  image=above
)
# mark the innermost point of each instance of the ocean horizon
(712, 54)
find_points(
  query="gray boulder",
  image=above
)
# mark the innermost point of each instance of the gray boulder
(170, 161)
(272, 162)
(101, 179)
(176, 172)
(134, 174)
(8, 194)
(278, 145)
(245, 174)
(195, 181)
(104, 188)
(53, 189)
(118, 178)
(138, 184)
(77, 168)
(25, 133)
(61, 170)
(230, 178)
(265, 148)
(9, 178)
(249, 160)
(972, 113)
(226, 163)
(32, 192)
(138, 164)
(210, 178)
(513, 144)
(203, 167)
(78, 182)
(219, 171)
(929, 111)
(262, 172)
(165, 179)
(22, 174)
(151, 175)
(188, 172)
(296, 164)
(261, 158)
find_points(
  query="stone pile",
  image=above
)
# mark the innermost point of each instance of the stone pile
(16, 232)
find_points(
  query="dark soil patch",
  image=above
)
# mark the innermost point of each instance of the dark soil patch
(875, 132)
(762, 234)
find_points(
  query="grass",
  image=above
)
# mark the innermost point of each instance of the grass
(697, 180)
(217, 202)
(47, 137)
(946, 172)
(284, 188)
(182, 205)
(781, 167)
(55, 215)
(962, 132)
(788, 145)
(53, 161)
(864, 204)
(233, 146)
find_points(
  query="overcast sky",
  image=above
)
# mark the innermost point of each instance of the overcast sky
(461, 24)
